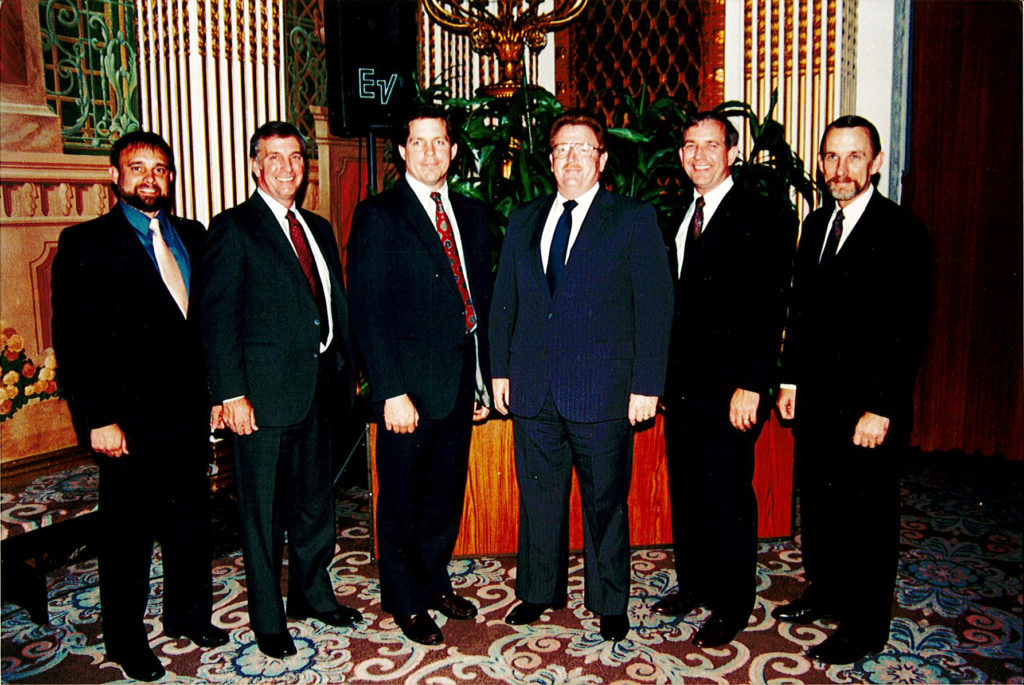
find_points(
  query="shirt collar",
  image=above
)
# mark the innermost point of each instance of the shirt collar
(714, 197)
(583, 202)
(279, 210)
(138, 220)
(423, 191)
(853, 211)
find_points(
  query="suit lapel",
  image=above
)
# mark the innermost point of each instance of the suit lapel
(591, 229)
(535, 261)
(423, 228)
(270, 230)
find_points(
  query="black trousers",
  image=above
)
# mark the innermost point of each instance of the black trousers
(421, 479)
(548, 447)
(154, 493)
(714, 508)
(283, 477)
(849, 524)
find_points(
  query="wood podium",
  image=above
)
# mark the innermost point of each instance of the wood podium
(491, 513)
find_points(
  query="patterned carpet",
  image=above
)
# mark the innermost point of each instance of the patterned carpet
(958, 617)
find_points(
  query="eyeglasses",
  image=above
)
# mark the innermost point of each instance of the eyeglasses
(561, 151)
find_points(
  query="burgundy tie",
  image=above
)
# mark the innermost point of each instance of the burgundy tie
(444, 230)
(305, 255)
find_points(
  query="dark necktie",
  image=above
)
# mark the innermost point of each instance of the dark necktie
(832, 241)
(305, 255)
(444, 230)
(696, 228)
(560, 245)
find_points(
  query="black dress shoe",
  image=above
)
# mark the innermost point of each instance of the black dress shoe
(841, 648)
(614, 627)
(139, 664)
(676, 604)
(801, 611)
(205, 636)
(275, 645)
(716, 632)
(420, 628)
(339, 618)
(528, 612)
(455, 607)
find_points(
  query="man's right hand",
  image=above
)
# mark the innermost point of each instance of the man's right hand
(499, 389)
(108, 440)
(787, 403)
(239, 416)
(400, 415)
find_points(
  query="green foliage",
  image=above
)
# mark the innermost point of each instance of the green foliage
(503, 150)
(772, 168)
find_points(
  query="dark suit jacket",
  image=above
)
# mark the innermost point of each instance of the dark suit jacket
(857, 327)
(407, 312)
(125, 352)
(604, 333)
(729, 305)
(261, 327)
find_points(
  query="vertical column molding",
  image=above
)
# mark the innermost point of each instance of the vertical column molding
(210, 73)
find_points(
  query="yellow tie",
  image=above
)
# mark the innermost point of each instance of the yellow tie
(169, 270)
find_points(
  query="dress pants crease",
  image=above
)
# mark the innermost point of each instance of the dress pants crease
(548, 448)
(422, 487)
(146, 495)
(714, 507)
(294, 499)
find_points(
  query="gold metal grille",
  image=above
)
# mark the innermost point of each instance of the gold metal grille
(627, 44)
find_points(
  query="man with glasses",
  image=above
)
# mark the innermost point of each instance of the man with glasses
(579, 344)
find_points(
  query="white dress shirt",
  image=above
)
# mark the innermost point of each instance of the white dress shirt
(712, 199)
(579, 213)
(851, 215)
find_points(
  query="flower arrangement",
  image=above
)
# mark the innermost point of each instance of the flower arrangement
(21, 380)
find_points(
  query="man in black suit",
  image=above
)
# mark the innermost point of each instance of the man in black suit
(853, 346)
(419, 278)
(579, 342)
(275, 332)
(731, 257)
(134, 377)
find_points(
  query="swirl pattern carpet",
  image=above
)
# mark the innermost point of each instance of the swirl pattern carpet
(957, 619)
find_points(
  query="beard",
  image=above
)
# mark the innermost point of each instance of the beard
(844, 189)
(151, 204)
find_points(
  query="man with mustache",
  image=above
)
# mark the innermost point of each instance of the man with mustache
(731, 253)
(133, 373)
(853, 345)
(276, 335)
(579, 340)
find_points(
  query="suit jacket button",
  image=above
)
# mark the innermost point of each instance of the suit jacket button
(550, 316)
(316, 322)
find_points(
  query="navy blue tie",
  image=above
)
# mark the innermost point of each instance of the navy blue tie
(560, 245)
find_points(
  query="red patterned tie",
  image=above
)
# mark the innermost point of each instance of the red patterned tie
(444, 229)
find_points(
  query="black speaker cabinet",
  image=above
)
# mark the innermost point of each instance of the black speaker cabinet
(371, 63)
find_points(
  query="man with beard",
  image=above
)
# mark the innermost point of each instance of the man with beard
(853, 346)
(133, 374)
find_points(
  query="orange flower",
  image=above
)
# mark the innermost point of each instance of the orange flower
(14, 341)
(5, 407)
(11, 378)
(51, 387)
(29, 370)
(46, 374)
(11, 354)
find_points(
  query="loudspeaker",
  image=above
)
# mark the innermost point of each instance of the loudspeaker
(371, 63)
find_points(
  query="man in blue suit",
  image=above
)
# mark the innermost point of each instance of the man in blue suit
(579, 334)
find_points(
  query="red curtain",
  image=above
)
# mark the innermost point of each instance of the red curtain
(965, 181)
